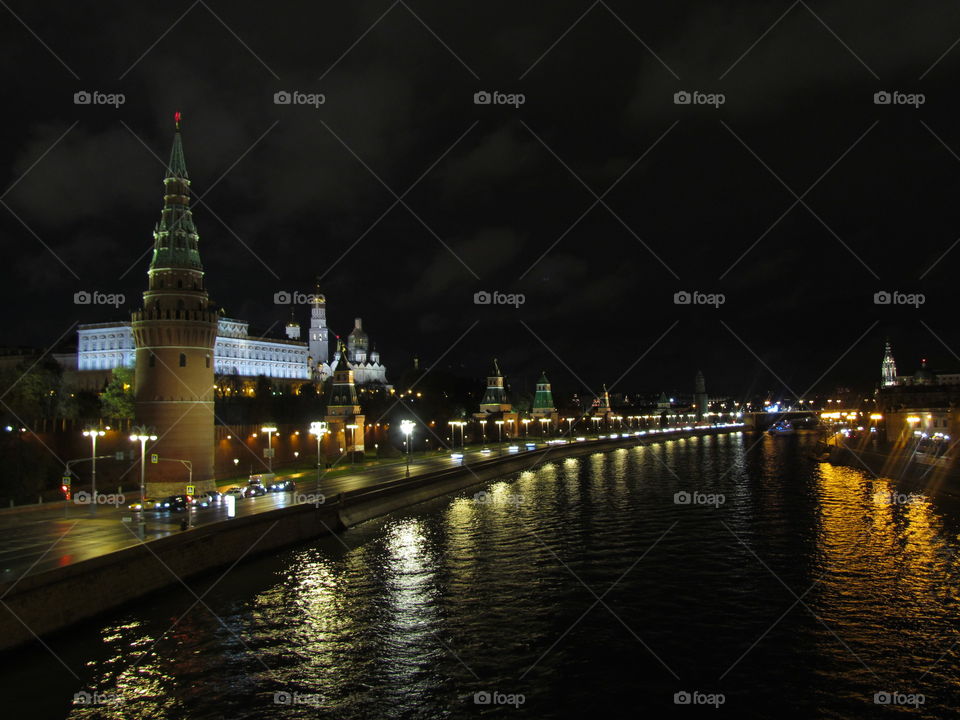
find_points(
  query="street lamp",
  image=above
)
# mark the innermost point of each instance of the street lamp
(596, 425)
(406, 427)
(353, 437)
(93, 434)
(526, 422)
(483, 431)
(569, 426)
(544, 427)
(499, 424)
(269, 430)
(141, 434)
(318, 428)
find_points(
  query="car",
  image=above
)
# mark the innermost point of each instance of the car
(237, 492)
(206, 499)
(282, 486)
(174, 503)
(254, 491)
(147, 504)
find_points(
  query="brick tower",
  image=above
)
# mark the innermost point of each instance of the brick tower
(174, 335)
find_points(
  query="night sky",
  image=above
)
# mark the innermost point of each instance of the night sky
(497, 198)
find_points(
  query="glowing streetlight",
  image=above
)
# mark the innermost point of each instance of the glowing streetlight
(93, 434)
(483, 431)
(569, 426)
(141, 434)
(406, 427)
(269, 430)
(526, 423)
(353, 439)
(318, 428)
(499, 424)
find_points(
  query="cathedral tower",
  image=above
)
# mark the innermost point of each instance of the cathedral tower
(318, 348)
(174, 335)
(888, 369)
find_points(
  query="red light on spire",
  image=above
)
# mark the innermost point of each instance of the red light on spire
(176, 119)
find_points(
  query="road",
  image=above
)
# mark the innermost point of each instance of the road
(35, 540)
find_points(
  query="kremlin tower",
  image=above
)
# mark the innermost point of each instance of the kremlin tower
(174, 335)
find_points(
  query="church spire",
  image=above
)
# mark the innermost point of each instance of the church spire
(176, 242)
(177, 168)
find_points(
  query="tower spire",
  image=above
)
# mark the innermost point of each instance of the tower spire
(175, 240)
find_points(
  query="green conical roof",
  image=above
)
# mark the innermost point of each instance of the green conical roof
(176, 242)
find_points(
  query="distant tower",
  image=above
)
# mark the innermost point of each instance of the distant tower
(603, 403)
(700, 403)
(318, 342)
(174, 335)
(543, 400)
(293, 328)
(343, 408)
(495, 398)
(358, 344)
(888, 368)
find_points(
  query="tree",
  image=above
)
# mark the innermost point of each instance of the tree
(116, 401)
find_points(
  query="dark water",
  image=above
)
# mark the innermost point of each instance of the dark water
(582, 586)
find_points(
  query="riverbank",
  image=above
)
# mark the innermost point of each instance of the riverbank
(935, 475)
(41, 604)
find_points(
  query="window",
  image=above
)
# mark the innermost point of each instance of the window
(183, 360)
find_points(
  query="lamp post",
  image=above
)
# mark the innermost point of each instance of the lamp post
(569, 426)
(93, 434)
(319, 429)
(141, 434)
(483, 431)
(526, 423)
(353, 437)
(544, 427)
(406, 427)
(269, 430)
(499, 424)
(596, 425)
